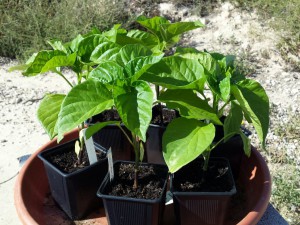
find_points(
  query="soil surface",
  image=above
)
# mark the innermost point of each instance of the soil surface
(161, 115)
(191, 178)
(151, 181)
(158, 112)
(67, 161)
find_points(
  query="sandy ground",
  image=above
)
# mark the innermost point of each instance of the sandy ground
(226, 30)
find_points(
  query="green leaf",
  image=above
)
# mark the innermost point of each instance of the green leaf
(232, 123)
(246, 144)
(136, 67)
(184, 140)
(177, 73)
(104, 52)
(107, 72)
(153, 24)
(59, 61)
(255, 105)
(189, 105)
(171, 30)
(40, 60)
(58, 45)
(48, 111)
(144, 38)
(134, 105)
(90, 131)
(130, 52)
(225, 88)
(73, 45)
(82, 102)
(87, 45)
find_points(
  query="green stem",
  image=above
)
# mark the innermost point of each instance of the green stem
(206, 156)
(220, 113)
(126, 135)
(136, 146)
(60, 74)
(215, 103)
(222, 139)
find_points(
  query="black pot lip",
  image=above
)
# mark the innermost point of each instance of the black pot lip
(187, 194)
(42, 156)
(128, 199)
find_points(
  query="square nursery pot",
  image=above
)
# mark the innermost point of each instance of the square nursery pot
(112, 137)
(153, 145)
(205, 208)
(75, 192)
(133, 211)
(232, 149)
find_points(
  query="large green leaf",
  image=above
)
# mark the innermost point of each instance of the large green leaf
(48, 111)
(184, 140)
(171, 30)
(104, 52)
(255, 105)
(87, 45)
(107, 72)
(177, 73)
(232, 123)
(40, 60)
(82, 102)
(136, 67)
(58, 45)
(130, 52)
(134, 105)
(144, 38)
(153, 24)
(224, 86)
(189, 105)
(58, 61)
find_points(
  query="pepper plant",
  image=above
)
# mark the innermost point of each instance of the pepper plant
(201, 86)
(108, 66)
(116, 82)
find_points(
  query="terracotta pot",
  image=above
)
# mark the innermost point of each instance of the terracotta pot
(32, 188)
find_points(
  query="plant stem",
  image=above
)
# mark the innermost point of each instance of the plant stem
(222, 139)
(136, 147)
(220, 113)
(215, 103)
(206, 156)
(60, 74)
(159, 105)
(126, 135)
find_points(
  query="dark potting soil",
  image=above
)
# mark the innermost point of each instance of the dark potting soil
(191, 178)
(112, 115)
(67, 161)
(161, 115)
(107, 115)
(150, 182)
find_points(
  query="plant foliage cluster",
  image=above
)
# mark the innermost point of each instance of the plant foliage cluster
(116, 68)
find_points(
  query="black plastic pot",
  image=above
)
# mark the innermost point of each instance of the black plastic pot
(153, 145)
(205, 208)
(132, 211)
(112, 137)
(75, 193)
(231, 149)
